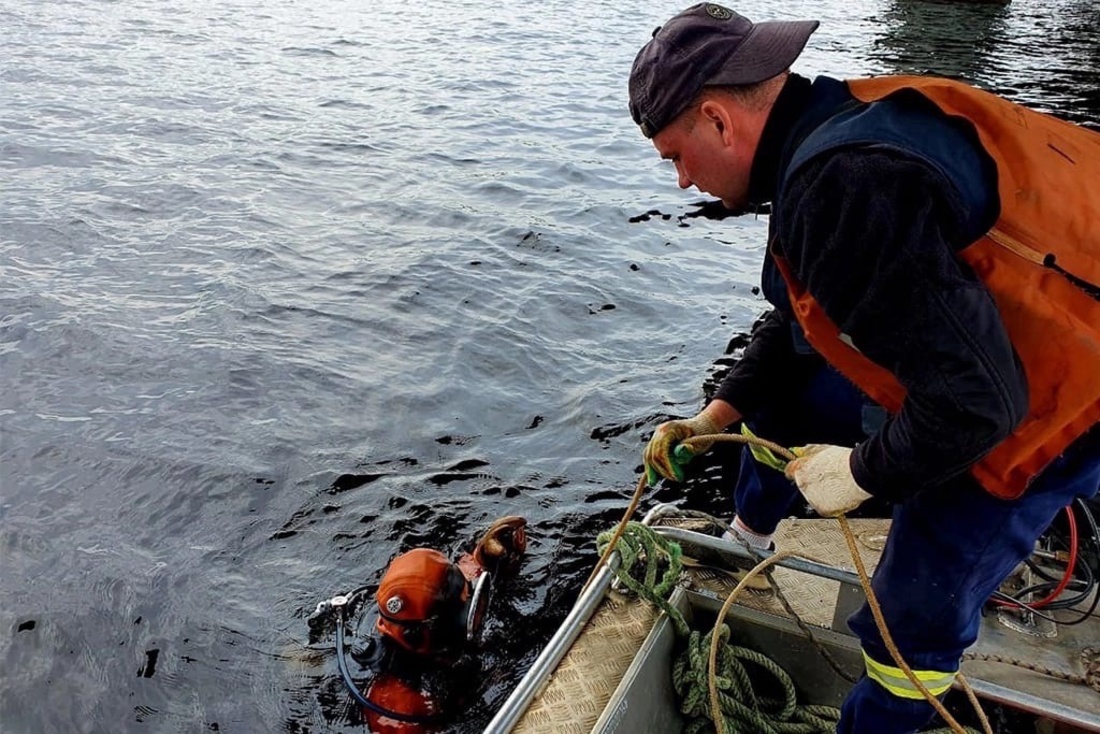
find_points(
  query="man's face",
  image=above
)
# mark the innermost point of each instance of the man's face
(702, 144)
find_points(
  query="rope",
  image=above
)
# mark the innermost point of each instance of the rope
(663, 559)
(872, 600)
(1090, 656)
(743, 709)
(888, 640)
(777, 589)
(1082, 680)
(651, 566)
(618, 532)
(713, 671)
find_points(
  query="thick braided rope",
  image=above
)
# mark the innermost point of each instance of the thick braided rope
(650, 567)
(743, 709)
(1082, 680)
(613, 539)
(659, 562)
(865, 581)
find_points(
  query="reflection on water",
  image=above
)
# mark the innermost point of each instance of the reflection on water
(289, 287)
(951, 39)
(1044, 55)
(1078, 34)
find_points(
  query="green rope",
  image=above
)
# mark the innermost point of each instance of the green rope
(743, 709)
(638, 545)
(651, 567)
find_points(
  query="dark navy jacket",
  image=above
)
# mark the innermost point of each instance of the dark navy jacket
(870, 205)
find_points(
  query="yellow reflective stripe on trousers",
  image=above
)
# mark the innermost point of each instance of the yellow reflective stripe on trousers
(897, 683)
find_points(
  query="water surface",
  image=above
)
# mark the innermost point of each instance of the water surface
(288, 288)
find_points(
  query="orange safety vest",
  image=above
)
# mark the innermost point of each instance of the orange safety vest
(1049, 225)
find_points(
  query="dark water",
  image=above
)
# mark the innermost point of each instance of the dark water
(287, 288)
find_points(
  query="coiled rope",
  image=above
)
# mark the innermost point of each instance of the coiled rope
(651, 566)
(718, 712)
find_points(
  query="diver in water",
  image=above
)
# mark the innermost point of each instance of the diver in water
(430, 612)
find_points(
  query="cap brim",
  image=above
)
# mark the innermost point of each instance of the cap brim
(770, 48)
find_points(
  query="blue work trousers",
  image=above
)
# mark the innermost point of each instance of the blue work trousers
(949, 548)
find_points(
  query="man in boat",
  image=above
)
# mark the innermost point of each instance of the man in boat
(933, 266)
(430, 611)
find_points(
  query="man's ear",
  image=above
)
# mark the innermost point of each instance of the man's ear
(717, 115)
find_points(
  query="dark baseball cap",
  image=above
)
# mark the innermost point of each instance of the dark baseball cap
(708, 44)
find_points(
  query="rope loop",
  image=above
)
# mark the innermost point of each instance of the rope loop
(651, 567)
(743, 708)
(1090, 657)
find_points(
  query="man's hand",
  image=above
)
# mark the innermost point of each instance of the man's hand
(658, 457)
(824, 476)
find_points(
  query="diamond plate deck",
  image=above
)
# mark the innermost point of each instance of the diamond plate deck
(813, 598)
(583, 682)
(577, 692)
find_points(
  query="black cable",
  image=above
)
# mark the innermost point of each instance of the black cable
(1081, 593)
(1021, 605)
(1090, 577)
(1091, 519)
(1086, 577)
(1011, 603)
(1085, 615)
(1083, 586)
(1090, 580)
(1040, 571)
(362, 700)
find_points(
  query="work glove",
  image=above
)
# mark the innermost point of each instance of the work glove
(658, 456)
(824, 476)
(502, 546)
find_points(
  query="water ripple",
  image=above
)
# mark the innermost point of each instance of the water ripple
(288, 288)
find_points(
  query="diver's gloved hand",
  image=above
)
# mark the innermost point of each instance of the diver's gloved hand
(501, 547)
(824, 476)
(658, 455)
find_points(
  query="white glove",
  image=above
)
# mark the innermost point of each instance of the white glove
(824, 476)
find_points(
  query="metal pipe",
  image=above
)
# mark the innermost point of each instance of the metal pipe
(734, 555)
(551, 655)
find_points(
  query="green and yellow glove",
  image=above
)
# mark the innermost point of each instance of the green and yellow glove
(661, 458)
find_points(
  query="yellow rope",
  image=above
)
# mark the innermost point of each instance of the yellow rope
(864, 579)
(618, 532)
(712, 666)
(888, 640)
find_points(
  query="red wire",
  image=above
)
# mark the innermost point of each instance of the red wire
(1066, 577)
(1070, 564)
